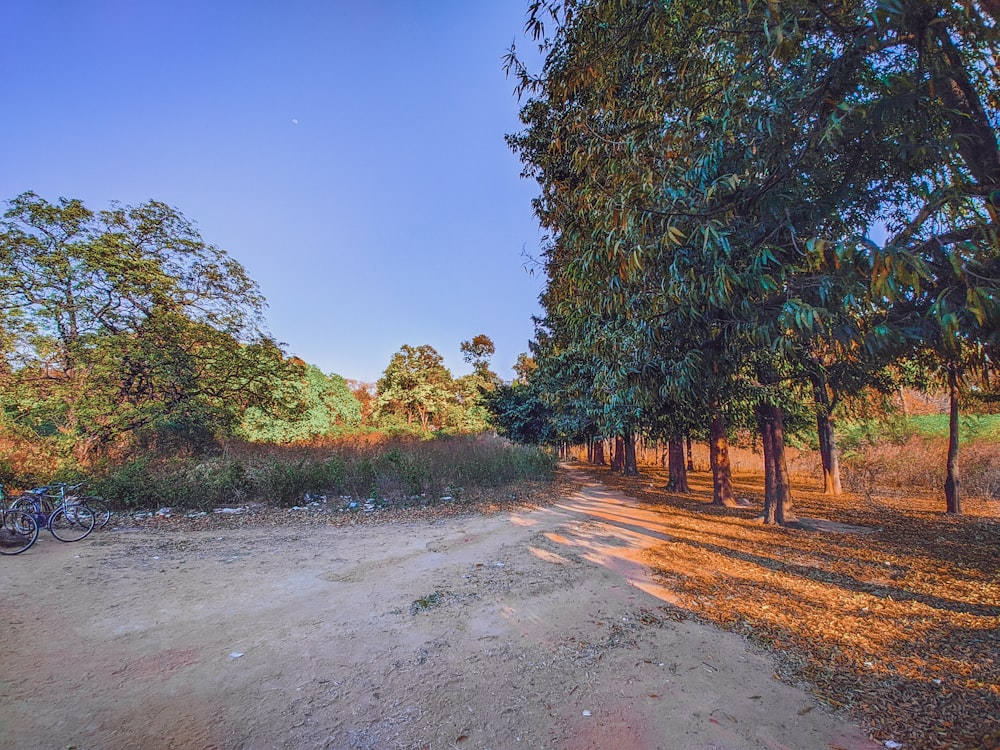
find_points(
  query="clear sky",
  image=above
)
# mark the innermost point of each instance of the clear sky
(349, 153)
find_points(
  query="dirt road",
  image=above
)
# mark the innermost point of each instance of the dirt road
(538, 629)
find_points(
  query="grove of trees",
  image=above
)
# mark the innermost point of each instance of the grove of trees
(418, 391)
(124, 332)
(756, 211)
(123, 323)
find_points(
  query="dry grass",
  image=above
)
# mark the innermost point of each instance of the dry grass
(895, 616)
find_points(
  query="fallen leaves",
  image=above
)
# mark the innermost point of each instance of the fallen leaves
(897, 620)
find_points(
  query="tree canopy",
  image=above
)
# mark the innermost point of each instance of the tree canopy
(741, 196)
(125, 320)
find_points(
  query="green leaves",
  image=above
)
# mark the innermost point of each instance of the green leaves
(725, 184)
(126, 321)
(416, 387)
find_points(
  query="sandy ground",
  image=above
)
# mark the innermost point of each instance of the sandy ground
(539, 629)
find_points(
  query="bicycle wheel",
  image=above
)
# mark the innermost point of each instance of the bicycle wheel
(72, 523)
(102, 512)
(18, 532)
(33, 503)
(25, 504)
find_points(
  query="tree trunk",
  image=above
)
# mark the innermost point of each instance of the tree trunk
(722, 472)
(678, 481)
(830, 455)
(590, 451)
(618, 456)
(631, 468)
(777, 487)
(599, 452)
(782, 482)
(767, 443)
(690, 454)
(951, 483)
(827, 438)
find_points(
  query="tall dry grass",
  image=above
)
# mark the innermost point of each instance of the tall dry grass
(894, 464)
(389, 470)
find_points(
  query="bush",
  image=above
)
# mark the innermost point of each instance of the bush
(920, 464)
(394, 470)
(892, 429)
(188, 482)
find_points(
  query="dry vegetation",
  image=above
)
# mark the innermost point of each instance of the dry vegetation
(885, 606)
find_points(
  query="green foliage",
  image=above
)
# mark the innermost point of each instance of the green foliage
(890, 428)
(972, 427)
(895, 428)
(519, 414)
(712, 176)
(416, 386)
(326, 407)
(417, 394)
(125, 322)
(477, 353)
(401, 473)
(192, 483)
(288, 482)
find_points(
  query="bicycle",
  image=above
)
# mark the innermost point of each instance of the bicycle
(61, 493)
(69, 493)
(18, 530)
(67, 521)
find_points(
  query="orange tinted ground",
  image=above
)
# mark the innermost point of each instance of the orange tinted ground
(888, 607)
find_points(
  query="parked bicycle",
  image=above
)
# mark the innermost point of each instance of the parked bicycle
(67, 521)
(72, 493)
(18, 529)
(57, 494)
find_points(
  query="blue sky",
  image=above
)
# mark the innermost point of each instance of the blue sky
(350, 154)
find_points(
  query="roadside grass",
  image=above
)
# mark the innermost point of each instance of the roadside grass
(895, 618)
(919, 463)
(389, 471)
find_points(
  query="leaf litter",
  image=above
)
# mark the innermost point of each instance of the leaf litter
(894, 618)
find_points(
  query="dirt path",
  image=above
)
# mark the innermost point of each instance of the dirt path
(534, 630)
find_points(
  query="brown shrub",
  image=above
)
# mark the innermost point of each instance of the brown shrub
(920, 464)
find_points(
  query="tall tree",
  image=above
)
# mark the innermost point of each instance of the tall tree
(712, 162)
(416, 386)
(126, 320)
(471, 412)
(325, 407)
